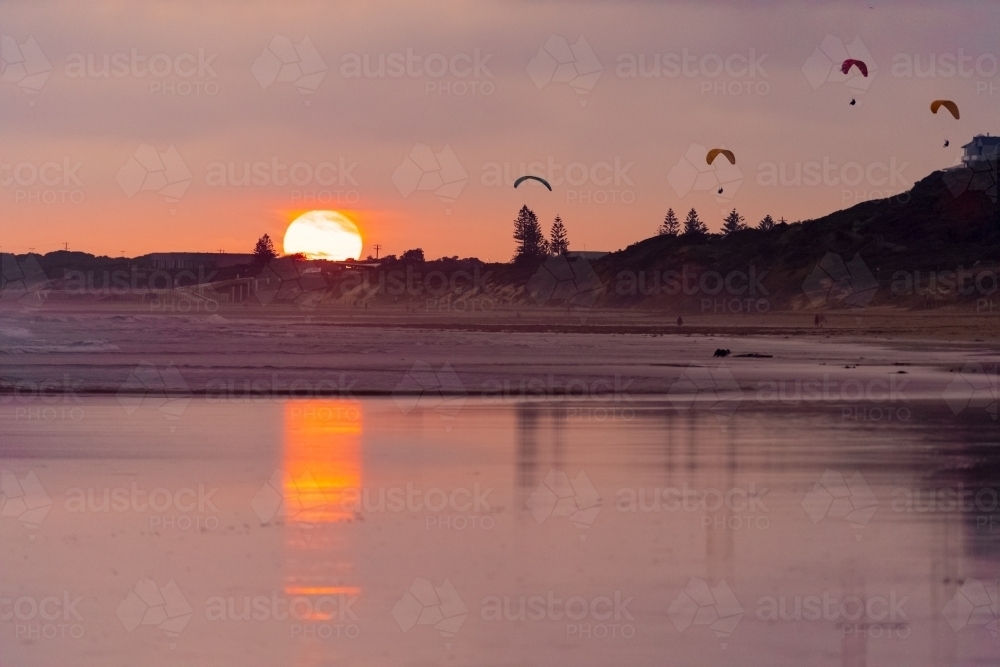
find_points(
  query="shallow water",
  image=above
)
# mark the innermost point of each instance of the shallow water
(377, 531)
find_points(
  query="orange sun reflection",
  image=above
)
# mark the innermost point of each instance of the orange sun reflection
(322, 459)
(322, 464)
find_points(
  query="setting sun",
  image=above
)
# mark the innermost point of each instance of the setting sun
(323, 235)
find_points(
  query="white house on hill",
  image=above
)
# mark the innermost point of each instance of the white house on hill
(981, 148)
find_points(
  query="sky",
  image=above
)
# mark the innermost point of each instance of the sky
(215, 122)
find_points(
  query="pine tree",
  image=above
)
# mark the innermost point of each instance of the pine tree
(264, 252)
(694, 226)
(766, 224)
(558, 240)
(733, 222)
(531, 243)
(671, 226)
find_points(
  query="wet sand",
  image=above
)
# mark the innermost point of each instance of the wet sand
(235, 355)
(761, 537)
(313, 490)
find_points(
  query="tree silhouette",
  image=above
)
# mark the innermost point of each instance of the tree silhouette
(766, 224)
(693, 226)
(415, 255)
(559, 241)
(263, 252)
(671, 226)
(733, 222)
(531, 243)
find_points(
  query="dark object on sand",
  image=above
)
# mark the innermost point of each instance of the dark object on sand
(853, 102)
(755, 355)
(819, 320)
(680, 321)
(721, 353)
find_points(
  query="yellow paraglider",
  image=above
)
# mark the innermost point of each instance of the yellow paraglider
(947, 104)
(716, 152)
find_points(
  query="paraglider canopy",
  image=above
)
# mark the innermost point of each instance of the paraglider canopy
(862, 67)
(947, 104)
(534, 178)
(716, 152)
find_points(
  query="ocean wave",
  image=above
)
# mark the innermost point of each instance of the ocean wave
(14, 332)
(73, 347)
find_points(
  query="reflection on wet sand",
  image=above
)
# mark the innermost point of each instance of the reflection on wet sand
(347, 531)
(321, 472)
(960, 539)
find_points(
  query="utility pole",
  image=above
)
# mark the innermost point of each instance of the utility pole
(782, 221)
(377, 248)
(65, 246)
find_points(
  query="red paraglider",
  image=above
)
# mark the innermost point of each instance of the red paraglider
(863, 68)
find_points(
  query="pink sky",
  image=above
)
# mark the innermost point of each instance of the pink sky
(66, 138)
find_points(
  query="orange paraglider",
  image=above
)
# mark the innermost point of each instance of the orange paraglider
(947, 104)
(716, 152)
(862, 67)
